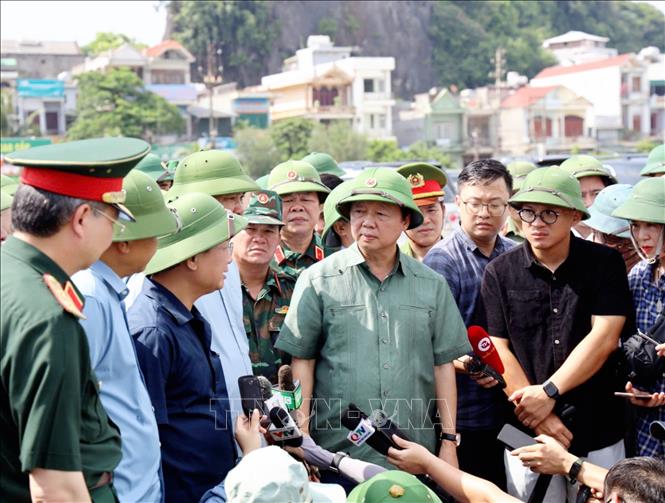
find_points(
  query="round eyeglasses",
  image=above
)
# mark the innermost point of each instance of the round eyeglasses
(546, 216)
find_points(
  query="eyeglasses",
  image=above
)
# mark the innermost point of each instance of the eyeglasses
(494, 209)
(546, 216)
(120, 227)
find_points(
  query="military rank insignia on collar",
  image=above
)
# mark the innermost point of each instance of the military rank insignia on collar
(279, 254)
(67, 297)
(282, 309)
(318, 253)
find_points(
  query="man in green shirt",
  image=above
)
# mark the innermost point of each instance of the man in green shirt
(302, 192)
(58, 443)
(372, 326)
(266, 292)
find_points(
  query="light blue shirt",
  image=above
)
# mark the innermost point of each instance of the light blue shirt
(122, 389)
(223, 310)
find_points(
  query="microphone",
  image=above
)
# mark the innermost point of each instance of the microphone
(484, 349)
(377, 431)
(286, 431)
(285, 378)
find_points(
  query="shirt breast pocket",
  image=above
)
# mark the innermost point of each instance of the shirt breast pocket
(413, 321)
(526, 308)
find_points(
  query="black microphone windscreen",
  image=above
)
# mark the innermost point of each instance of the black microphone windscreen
(351, 416)
(285, 378)
(278, 417)
(266, 387)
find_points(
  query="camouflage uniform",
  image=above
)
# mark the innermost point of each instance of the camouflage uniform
(263, 316)
(292, 263)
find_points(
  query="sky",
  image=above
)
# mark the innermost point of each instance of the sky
(81, 20)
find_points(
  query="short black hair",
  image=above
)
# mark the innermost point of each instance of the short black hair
(485, 171)
(331, 181)
(637, 480)
(42, 213)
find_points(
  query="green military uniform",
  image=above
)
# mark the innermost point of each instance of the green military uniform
(263, 316)
(375, 342)
(51, 416)
(287, 178)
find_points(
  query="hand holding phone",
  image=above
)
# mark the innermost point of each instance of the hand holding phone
(640, 395)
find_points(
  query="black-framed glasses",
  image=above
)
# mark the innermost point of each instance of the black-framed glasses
(494, 209)
(546, 216)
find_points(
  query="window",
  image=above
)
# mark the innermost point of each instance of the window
(368, 85)
(542, 130)
(51, 119)
(381, 121)
(637, 84)
(325, 96)
(444, 130)
(573, 126)
(167, 77)
(374, 85)
(637, 123)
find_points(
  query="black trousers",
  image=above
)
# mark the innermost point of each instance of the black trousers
(481, 454)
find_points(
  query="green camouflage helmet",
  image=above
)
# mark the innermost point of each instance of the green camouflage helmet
(8, 185)
(296, 176)
(212, 172)
(330, 214)
(265, 207)
(323, 163)
(646, 202)
(384, 185)
(152, 217)
(608, 200)
(5, 200)
(519, 170)
(655, 162)
(582, 166)
(152, 166)
(204, 224)
(551, 185)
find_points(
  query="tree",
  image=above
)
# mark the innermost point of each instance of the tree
(291, 137)
(115, 103)
(384, 151)
(257, 150)
(107, 40)
(244, 31)
(339, 140)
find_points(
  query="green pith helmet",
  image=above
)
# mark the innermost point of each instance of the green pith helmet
(152, 166)
(296, 176)
(551, 185)
(330, 214)
(265, 207)
(323, 163)
(518, 170)
(5, 200)
(384, 185)
(262, 182)
(212, 172)
(204, 224)
(8, 185)
(170, 167)
(392, 485)
(655, 162)
(608, 200)
(581, 166)
(426, 181)
(145, 201)
(646, 202)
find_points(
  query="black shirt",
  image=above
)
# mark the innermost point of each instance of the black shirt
(545, 315)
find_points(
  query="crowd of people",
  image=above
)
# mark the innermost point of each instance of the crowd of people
(137, 295)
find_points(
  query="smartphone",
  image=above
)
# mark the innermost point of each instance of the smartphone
(250, 394)
(639, 396)
(514, 438)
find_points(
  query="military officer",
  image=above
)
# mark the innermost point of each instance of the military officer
(266, 291)
(370, 325)
(302, 192)
(58, 443)
(513, 226)
(427, 183)
(112, 355)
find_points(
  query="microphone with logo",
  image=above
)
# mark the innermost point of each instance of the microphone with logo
(486, 359)
(376, 431)
(283, 428)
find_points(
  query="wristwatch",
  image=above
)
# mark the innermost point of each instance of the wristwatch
(551, 390)
(337, 459)
(451, 437)
(575, 470)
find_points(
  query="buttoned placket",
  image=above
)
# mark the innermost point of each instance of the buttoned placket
(556, 318)
(385, 349)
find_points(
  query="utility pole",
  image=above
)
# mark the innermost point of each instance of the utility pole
(212, 79)
(499, 64)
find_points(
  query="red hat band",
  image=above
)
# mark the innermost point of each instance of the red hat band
(70, 184)
(428, 189)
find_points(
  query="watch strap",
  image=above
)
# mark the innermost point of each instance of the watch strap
(551, 390)
(337, 459)
(452, 437)
(575, 470)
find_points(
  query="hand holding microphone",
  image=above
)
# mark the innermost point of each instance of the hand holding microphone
(485, 365)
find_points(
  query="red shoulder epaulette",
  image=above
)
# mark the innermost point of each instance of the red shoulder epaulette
(67, 297)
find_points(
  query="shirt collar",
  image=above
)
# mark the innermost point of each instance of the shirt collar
(39, 261)
(528, 258)
(355, 257)
(168, 301)
(500, 244)
(110, 277)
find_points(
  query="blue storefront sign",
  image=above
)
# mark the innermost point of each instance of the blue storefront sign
(40, 88)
